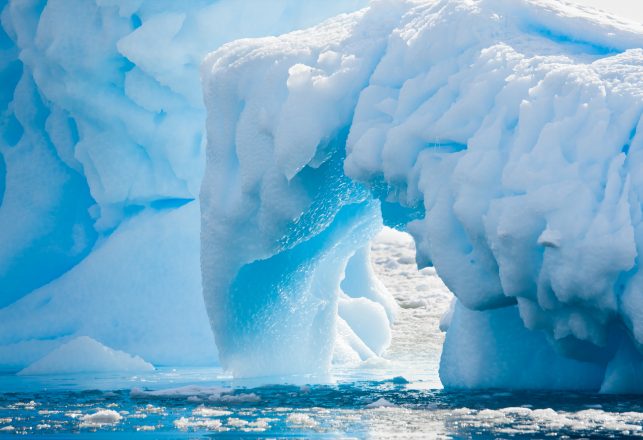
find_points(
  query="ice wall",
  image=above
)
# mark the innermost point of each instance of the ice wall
(101, 131)
(504, 135)
(280, 220)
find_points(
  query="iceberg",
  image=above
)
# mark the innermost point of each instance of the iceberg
(505, 136)
(101, 158)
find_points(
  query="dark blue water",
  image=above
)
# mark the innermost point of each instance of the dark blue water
(163, 405)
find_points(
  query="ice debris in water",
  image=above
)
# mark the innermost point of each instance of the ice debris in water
(380, 403)
(210, 412)
(190, 392)
(301, 419)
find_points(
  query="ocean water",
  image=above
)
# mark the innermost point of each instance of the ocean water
(399, 396)
(189, 404)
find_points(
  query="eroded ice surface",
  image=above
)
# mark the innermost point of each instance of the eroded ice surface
(101, 127)
(504, 135)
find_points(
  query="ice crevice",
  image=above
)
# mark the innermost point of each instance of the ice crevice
(490, 130)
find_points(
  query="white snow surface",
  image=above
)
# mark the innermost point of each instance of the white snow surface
(505, 136)
(86, 355)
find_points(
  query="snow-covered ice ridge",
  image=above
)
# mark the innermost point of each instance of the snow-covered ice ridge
(101, 158)
(504, 135)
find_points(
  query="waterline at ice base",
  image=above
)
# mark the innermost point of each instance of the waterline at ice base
(406, 187)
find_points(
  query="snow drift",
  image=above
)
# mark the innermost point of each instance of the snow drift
(505, 136)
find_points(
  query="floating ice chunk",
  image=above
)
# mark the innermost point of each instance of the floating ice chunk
(301, 420)
(86, 355)
(235, 398)
(146, 428)
(381, 403)
(100, 418)
(204, 411)
(504, 136)
(180, 392)
(185, 423)
(413, 304)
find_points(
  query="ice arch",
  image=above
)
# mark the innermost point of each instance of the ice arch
(504, 135)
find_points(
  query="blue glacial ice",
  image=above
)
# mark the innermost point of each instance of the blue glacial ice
(101, 158)
(505, 136)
